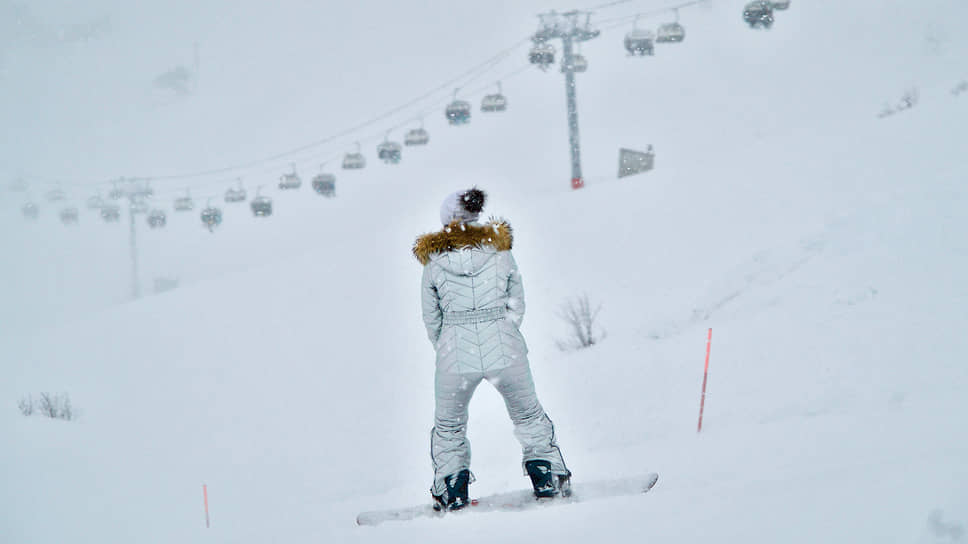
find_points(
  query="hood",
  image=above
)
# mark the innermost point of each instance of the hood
(445, 246)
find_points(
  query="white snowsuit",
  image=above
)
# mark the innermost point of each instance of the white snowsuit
(473, 304)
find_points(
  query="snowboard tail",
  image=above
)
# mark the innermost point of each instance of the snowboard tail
(516, 501)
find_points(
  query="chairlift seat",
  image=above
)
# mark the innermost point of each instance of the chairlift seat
(235, 195)
(494, 102)
(417, 136)
(579, 64)
(111, 213)
(542, 55)
(184, 204)
(640, 42)
(290, 181)
(354, 161)
(325, 184)
(157, 219)
(389, 152)
(758, 13)
(68, 216)
(670, 33)
(458, 112)
(212, 217)
(261, 206)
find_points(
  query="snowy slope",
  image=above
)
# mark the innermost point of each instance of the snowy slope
(289, 373)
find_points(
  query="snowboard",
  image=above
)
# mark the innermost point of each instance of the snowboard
(516, 501)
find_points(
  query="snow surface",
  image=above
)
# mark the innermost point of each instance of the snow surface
(290, 372)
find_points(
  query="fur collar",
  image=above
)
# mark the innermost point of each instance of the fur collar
(495, 233)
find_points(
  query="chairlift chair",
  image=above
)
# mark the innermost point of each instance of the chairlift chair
(157, 219)
(233, 194)
(325, 184)
(640, 42)
(184, 203)
(354, 161)
(56, 195)
(211, 217)
(458, 112)
(494, 102)
(261, 205)
(68, 216)
(579, 64)
(111, 213)
(95, 202)
(290, 180)
(416, 136)
(670, 33)
(780, 4)
(758, 13)
(389, 152)
(542, 55)
(30, 210)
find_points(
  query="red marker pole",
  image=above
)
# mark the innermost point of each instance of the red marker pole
(205, 494)
(705, 374)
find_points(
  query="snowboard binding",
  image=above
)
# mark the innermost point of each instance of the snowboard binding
(545, 483)
(455, 496)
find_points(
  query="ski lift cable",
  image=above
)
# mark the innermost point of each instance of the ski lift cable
(608, 5)
(473, 73)
(480, 69)
(434, 107)
(650, 13)
(378, 136)
(330, 156)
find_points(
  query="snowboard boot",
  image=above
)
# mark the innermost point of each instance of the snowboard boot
(542, 479)
(455, 496)
(545, 483)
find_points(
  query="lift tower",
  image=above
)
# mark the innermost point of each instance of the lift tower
(572, 27)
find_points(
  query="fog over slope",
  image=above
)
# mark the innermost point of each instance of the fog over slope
(290, 372)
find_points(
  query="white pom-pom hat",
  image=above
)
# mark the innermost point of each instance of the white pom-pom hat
(464, 206)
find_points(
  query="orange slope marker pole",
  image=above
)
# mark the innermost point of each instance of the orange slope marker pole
(705, 375)
(205, 494)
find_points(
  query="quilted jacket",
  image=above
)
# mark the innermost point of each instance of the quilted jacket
(472, 297)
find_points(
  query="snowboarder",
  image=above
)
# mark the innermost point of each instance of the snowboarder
(473, 304)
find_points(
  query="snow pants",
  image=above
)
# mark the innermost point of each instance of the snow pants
(449, 448)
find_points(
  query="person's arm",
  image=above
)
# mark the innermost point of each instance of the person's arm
(432, 316)
(515, 304)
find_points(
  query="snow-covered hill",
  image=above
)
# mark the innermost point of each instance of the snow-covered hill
(291, 375)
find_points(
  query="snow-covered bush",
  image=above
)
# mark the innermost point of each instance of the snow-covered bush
(908, 100)
(26, 406)
(53, 406)
(580, 317)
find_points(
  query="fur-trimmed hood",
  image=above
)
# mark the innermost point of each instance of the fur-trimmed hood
(495, 233)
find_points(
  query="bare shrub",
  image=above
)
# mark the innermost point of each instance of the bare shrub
(50, 405)
(26, 405)
(908, 100)
(580, 317)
